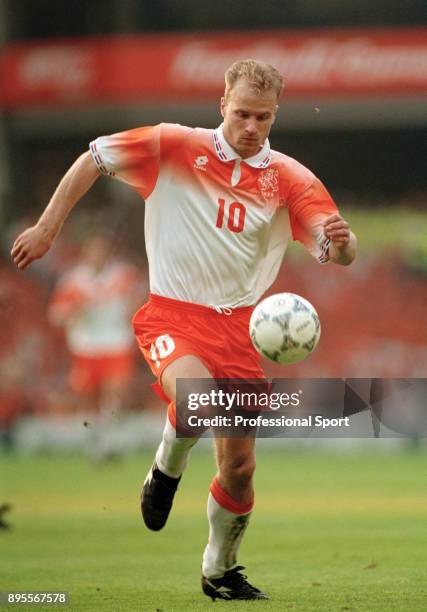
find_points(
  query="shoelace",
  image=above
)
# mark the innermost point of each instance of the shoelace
(234, 578)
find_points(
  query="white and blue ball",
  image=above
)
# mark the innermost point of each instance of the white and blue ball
(285, 328)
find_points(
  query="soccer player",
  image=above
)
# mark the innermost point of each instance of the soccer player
(93, 302)
(221, 207)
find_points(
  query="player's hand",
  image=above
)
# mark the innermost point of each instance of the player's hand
(32, 244)
(337, 230)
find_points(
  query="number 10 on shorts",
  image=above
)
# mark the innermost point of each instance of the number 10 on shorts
(162, 347)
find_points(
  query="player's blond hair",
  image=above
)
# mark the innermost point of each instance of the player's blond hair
(259, 75)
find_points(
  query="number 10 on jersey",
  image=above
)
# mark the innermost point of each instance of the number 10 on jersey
(233, 216)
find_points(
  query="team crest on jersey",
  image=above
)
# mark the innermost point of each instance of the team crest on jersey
(268, 183)
(200, 162)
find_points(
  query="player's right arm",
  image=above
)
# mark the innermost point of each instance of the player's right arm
(35, 241)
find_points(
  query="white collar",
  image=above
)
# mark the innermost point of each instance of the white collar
(226, 153)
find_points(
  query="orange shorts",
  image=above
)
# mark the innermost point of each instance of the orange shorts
(88, 374)
(167, 329)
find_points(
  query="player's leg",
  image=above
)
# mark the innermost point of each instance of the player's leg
(115, 373)
(230, 505)
(231, 495)
(172, 454)
(83, 384)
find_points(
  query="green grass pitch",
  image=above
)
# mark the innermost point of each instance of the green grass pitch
(331, 531)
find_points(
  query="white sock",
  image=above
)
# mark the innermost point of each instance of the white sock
(226, 530)
(172, 454)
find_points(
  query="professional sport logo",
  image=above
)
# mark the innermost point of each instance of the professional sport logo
(268, 183)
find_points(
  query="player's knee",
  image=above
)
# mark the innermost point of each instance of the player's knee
(240, 469)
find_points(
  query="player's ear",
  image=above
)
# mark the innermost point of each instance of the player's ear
(222, 106)
(275, 113)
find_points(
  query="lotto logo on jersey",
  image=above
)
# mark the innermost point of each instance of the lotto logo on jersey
(200, 162)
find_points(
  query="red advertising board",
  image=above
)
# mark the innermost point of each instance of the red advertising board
(183, 68)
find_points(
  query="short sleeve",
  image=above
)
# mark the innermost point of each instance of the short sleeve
(135, 156)
(309, 205)
(132, 157)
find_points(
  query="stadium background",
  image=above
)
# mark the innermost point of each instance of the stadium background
(354, 111)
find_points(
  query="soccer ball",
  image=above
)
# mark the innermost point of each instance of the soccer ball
(285, 328)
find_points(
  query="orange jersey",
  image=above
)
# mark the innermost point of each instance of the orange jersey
(216, 225)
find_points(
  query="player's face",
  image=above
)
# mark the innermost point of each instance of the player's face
(248, 117)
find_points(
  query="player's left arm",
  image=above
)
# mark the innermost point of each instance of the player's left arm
(343, 246)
